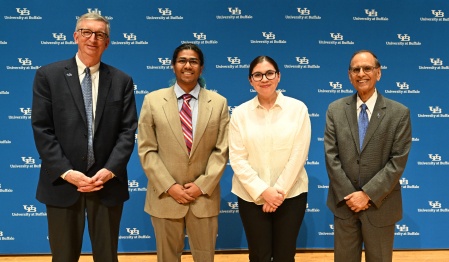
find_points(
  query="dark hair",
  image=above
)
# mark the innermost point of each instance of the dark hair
(376, 61)
(188, 46)
(259, 60)
(193, 47)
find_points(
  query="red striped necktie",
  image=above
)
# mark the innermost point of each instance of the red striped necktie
(186, 121)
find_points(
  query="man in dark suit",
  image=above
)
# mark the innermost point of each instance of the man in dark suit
(183, 171)
(364, 189)
(84, 120)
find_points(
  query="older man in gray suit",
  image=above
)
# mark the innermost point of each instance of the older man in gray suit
(367, 141)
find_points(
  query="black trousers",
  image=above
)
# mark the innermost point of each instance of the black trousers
(66, 229)
(272, 236)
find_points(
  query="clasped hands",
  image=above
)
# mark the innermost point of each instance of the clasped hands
(358, 201)
(89, 184)
(273, 199)
(184, 194)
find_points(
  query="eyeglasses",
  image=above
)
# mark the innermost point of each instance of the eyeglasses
(366, 69)
(88, 33)
(193, 62)
(270, 75)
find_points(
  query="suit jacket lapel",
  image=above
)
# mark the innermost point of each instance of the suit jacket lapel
(351, 116)
(172, 114)
(204, 113)
(104, 86)
(73, 82)
(376, 118)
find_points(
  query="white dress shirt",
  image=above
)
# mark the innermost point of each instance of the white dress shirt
(95, 75)
(269, 148)
(370, 103)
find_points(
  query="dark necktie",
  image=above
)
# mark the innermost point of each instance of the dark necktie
(86, 86)
(363, 124)
(186, 121)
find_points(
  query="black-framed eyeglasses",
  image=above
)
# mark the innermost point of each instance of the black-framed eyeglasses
(366, 69)
(88, 33)
(270, 75)
(192, 61)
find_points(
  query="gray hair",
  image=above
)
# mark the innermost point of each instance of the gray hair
(95, 17)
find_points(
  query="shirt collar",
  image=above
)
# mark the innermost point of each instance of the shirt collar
(280, 101)
(369, 103)
(81, 66)
(179, 92)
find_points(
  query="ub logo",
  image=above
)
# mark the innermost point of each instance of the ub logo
(200, 36)
(438, 13)
(90, 10)
(130, 37)
(23, 11)
(331, 226)
(133, 232)
(25, 61)
(269, 36)
(1, 233)
(233, 205)
(235, 11)
(30, 208)
(435, 157)
(234, 60)
(59, 37)
(402, 86)
(135, 87)
(302, 60)
(336, 85)
(435, 204)
(436, 62)
(25, 112)
(371, 12)
(164, 61)
(303, 11)
(337, 36)
(404, 37)
(403, 181)
(165, 11)
(133, 183)
(28, 160)
(435, 110)
(403, 228)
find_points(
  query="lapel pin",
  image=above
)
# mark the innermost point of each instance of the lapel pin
(69, 74)
(378, 115)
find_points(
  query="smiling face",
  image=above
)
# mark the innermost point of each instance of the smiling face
(187, 69)
(265, 88)
(364, 83)
(90, 49)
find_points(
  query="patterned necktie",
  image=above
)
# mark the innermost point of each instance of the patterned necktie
(86, 86)
(363, 124)
(186, 121)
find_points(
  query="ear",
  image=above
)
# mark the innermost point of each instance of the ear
(379, 74)
(75, 37)
(106, 44)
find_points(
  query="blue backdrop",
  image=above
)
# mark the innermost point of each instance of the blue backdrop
(312, 41)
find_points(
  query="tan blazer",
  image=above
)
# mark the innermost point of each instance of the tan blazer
(164, 157)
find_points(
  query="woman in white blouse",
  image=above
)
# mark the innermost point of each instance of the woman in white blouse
(269, 139)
